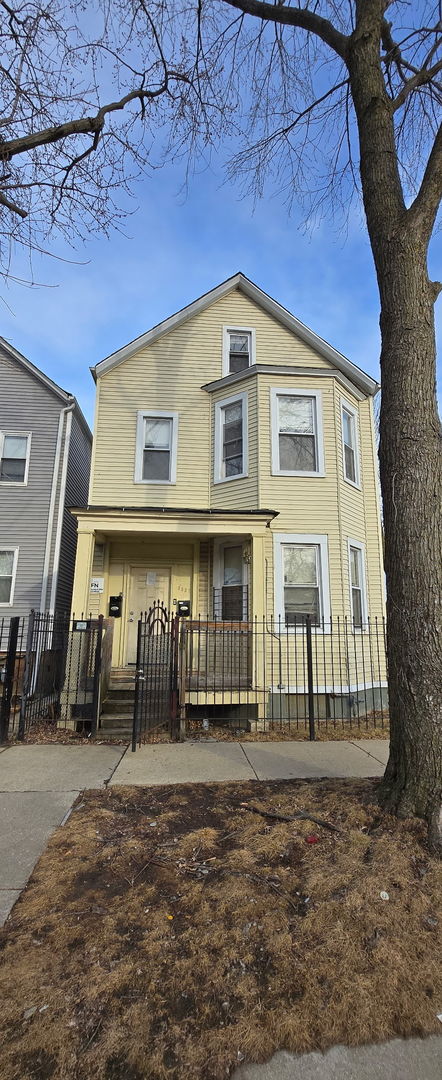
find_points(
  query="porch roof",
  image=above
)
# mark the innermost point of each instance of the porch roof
(171, 519)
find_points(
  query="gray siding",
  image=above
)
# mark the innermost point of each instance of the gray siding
(27, 405)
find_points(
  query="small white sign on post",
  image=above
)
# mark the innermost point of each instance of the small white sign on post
(97, 585)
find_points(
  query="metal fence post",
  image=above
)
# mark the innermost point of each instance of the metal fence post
(139, 676)
(5, 703)
(311, 700)
(97, 677)
(26, 676)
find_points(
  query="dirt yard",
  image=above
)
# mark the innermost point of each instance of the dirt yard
(173, 933)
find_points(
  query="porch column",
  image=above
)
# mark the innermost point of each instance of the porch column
(258, 604)
(83, 570)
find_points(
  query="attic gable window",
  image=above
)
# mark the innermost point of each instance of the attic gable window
(156, 450)
(14, 457)
(238, 349)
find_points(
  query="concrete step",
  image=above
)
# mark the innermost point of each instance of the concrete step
(109, 734)
(118, 704)
(117, 719)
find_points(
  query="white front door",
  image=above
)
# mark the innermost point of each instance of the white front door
(148, 585)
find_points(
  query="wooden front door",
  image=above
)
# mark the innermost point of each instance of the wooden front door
(148, 585)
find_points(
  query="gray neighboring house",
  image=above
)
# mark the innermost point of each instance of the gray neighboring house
(45, 453)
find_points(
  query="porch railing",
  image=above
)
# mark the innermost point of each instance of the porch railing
(269, 676)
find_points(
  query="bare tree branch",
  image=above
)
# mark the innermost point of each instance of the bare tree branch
(293, 16)
(426, 204)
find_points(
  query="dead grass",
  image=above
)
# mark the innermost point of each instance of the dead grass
(168, 933)
(375, 726)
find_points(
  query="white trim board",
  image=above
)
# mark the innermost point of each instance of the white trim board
(239, 281)
(9, 603)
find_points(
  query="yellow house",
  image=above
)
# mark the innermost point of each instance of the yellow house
(233, 477)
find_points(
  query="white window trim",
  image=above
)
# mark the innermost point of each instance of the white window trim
(227, 330)
(360, 547)
(321, 540)
(142, 415)
(345, 406)
(219, 547)
(9, 603)
(218, 478)
(22, 435)
(275, 393)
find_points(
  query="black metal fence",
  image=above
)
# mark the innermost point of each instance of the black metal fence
(12, 662)
(156, 682)
(264, 675)
(54, 670)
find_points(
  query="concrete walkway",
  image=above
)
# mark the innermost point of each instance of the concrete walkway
(208, 760)
(38, 785)
(411, 1059)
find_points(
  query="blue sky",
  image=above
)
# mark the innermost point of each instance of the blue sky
(178, 247)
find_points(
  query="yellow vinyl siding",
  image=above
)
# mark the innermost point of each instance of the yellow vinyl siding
(168, 375)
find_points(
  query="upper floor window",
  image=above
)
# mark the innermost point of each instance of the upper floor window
(231, 438)
(238, 349)
(301, 579)
(297, 433)
(8, 568)
(156, 452)
(14, 457)
(350, 444)
(358, 600)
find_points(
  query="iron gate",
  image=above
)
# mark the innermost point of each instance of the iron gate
(156, 706)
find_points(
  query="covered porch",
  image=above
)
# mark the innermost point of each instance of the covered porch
(201, 564)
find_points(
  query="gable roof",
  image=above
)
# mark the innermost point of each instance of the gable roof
(239, 281)
(63, 395)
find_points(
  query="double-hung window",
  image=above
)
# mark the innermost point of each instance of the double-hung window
(296, 433)
(8, 568)
(238, 349)
(358, 601)
(231, 438)
(301, 579)
(14, 457)
(350, 444)
(156, 454)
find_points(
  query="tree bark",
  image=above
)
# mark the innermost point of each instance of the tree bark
(410, 449)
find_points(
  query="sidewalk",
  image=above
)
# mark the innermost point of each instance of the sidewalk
(211, 761)
(411, 1059)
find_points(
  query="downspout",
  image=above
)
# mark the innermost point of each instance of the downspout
(50, 526)
(68, 413)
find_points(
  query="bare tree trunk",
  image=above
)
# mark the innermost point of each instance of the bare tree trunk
(410, 446)
(411, 478)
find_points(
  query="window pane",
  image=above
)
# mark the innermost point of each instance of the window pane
(233, 413)
(239, 343)
(12, 469)
(6, 563)
(356, 600)
(5, 590)
(355, 566)
(299, 602)
(238, 362)
(15, 446)
(297, 453)
(158, 433)
(300, 565)
(232, 449)
(347, 421)
(296, 414)
(233, 565)
(232, 602)
(156, 465)
(350, 464)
